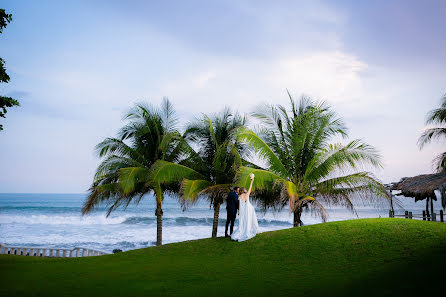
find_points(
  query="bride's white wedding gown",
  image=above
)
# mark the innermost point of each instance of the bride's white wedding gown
(247, 223)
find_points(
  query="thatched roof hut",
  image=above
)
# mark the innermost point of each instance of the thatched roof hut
(422, 186)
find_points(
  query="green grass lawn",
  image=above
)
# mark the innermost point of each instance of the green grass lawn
(370, 257)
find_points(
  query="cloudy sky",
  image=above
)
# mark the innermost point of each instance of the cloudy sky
(77, 66)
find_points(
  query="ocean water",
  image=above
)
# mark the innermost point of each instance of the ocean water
(55, 220)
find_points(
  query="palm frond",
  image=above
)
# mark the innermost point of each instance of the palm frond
(263, 150)
(163, 172)
(219, 190)
(263, 179)
(438, 115)
(363, 186)
(99, 194)
(354, 155)
(112, 164)
(440, 162)
(129, 177)
(114, 146)
(318, 209)
(168, 116)
(210, 127)
(191, 189)
(270, 116)
(430, 135)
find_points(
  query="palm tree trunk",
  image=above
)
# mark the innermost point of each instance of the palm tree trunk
(216, 215)
(159, 222)
(297, 214)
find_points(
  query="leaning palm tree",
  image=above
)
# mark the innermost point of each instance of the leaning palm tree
(300, 163)
(436, 117)
(125, 174)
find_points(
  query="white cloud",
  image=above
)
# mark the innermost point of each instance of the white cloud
(243, 83)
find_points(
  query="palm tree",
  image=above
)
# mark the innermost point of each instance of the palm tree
(209, 169)
(301, 164)
(126, 172)
(436, 117)
(220, 156)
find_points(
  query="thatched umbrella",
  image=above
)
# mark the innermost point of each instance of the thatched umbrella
(423, 187)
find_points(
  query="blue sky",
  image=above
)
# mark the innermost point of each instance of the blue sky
(77, 66)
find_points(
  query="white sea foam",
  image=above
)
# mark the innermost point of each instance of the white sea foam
(61, 219)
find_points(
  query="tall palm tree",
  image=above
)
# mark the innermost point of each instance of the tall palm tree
(436, 117)
(213, 156)
(125, 174)
(301, 163)
(219, 156)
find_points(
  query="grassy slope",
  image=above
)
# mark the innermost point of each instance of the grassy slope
(373, 257)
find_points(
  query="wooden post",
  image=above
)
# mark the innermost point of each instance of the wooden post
(390, 213)
(406, 214)
(424, 215)
(432, 205)
(428, 216)
(391, 200)
(427, 205)
(410, 215)
(434, 217)
(441, 215)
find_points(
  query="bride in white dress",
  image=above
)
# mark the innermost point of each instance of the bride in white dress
(247, 223)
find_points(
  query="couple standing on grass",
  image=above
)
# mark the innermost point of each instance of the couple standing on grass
(238, 198)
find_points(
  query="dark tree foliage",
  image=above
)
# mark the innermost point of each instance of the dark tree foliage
(5, 102)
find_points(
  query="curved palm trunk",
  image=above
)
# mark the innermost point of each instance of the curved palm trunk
(297, 214)
(159, 222)
(216, 215)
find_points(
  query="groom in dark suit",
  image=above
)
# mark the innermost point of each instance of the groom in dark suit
(231, 209)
